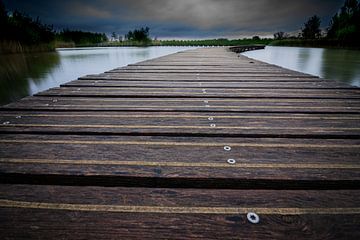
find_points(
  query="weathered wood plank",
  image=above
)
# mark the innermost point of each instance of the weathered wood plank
(30, 211)
(158, 161)
(281, 105)
(198, 84)
(184, 124)
(210, 74)
(194, 92)
(199, 78)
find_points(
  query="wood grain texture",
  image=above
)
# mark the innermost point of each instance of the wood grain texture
(183, 147)
(144, 213)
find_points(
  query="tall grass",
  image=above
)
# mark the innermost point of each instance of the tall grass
(7, 46)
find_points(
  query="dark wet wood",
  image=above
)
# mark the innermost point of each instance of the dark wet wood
(37, 223)
(200, 128)
(191, 124)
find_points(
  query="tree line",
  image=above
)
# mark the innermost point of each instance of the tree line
(16, 26)
(80, 37)
(20, 28)
(343, 29)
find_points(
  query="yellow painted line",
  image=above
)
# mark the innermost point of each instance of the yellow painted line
(202, 100)
(207, 89)
(181, 127)
(5, 203)
(199, 106)
(198, 92)
(185, 144)
(181, 116)
(149, 93)
(184, 164)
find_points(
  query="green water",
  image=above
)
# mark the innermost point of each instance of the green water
(22, 75)
(336, 64)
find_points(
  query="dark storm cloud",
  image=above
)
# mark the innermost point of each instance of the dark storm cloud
(177, 18)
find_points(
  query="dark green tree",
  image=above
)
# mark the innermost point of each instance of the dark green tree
(3, 12)
(80, 37)
(345, 25)
(280, 35)
(3, 19)
(23, 29)
(139, 35)
(311, 28)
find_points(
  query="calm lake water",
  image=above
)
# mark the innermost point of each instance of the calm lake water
(336, 64)
(25, 74)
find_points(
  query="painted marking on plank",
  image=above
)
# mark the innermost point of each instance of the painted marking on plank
(183, 164)
(242, 94)
(183, 116)
(6, 203)
(200, 100)
(185, 144)
(200, 106)
(196, 89)
(56, 92)
(330, 129)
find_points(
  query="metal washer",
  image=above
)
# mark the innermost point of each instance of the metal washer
(227, 148)
(253, 217)
(231, 161)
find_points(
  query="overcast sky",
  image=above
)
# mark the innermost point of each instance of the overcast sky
(180, 18)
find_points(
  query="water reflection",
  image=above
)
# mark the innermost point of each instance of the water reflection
(25, 74)
(337, 64)
(17, 69)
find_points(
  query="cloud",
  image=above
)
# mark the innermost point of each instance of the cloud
(78, 8)
(181, 17)
(212, 14)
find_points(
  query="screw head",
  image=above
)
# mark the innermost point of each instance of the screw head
(210, 118)
(227, 148)
(231, 161)
(253, 217)
(6, 123)
(213, 125)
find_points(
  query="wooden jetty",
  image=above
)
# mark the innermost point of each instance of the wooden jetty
(201, 144)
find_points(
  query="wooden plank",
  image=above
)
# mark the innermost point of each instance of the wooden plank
(208, 74)
(281, 105)
(184, 84)
(156, 161)
(30, 211)
(182, 129)
(205, 71)
(194, 92)
(197, 78)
